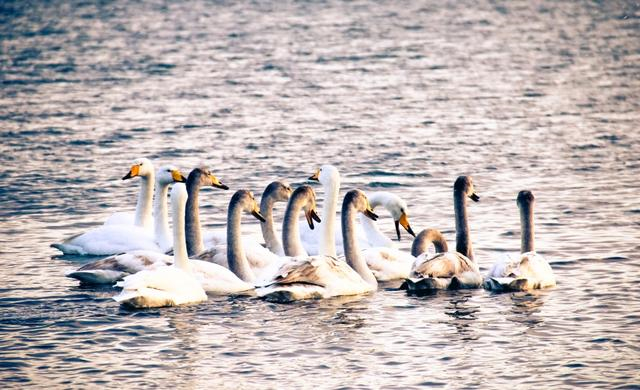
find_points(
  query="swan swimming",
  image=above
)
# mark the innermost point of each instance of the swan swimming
(528, 271)
(109, 239)
(165, 285)
(318, 277)
(446, 269)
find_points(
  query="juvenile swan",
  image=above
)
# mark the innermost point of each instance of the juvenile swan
(323, 276)
(165, 285)
(447, 270)
(529, 271)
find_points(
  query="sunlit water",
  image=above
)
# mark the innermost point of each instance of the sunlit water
(400, 96)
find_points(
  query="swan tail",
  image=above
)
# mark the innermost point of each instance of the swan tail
(290, 293)
(97, 276)
(465, 280)
(508, 284)
(68, 249)
(425, 285)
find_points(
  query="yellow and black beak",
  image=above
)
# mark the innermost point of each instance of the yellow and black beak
(256, 213)
(370, 214)
(315, 176)
(217, 183)
(404, 221)
(311, 215)
(474, 197)
(178, 177)
(133, 172)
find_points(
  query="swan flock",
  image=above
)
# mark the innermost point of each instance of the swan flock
(325, 254)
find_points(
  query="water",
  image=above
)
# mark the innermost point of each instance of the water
(399, 96)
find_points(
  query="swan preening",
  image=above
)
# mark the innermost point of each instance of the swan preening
(304, 263)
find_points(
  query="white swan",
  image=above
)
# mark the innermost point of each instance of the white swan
(166, 285)
(112, 238)
(528, 271)
(447, 270)
(143, 168)
(321, 276)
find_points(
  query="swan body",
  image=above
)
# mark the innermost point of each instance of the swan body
(109, 239)
(165, 285)
(318, 277)
(528, 271)
(446, 269)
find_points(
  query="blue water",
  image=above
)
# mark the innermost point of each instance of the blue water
(402, 96)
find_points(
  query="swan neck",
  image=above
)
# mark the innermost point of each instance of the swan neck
(428, 237)
(372, 233)
(351, 248)
(143, 216)
(268, 228)
(195, 243)
(180, 255)
(328, 227)
(463, 239)
(161, 216)
(527, 236)
(236, 257)
(291, 242)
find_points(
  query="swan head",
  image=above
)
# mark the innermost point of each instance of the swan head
(307, 196)
(396, 206)
(464, 186)
(140, 167)
(358, 200)
(169, 174)
(525, 198)
(204, 177)
(278, 191)
(326, 174)
(247, 203)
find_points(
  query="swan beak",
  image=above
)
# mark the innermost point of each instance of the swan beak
(404, 221)
(217, 183)
(315, 176)
(311, 216)
(133, 172)
(370, 214)
(178, 177)
(259, 217)
(474, 197)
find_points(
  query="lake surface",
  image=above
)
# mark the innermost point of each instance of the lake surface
(400, 96)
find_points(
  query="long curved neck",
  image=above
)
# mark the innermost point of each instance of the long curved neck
(236, 257)
(145, 198)
(161, 215)
(195, 243)
(268, 229)
(351, 247)
(328, 227)
(463, 240)
(427, 237)
(527, 238)
(291, 242)
(180, 255)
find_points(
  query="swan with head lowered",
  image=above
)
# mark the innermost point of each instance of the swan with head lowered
(315, 277)
(327, 239)
(528, 271)
(446, 269)
(212, 278)
(113, 238)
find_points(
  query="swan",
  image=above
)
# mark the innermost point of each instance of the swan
(112, 238)
(143, 168)
(367, 232)
(213, 278)
(259, 257)
(530, 270)
(317, 277)
(165, 285)
(446, 269)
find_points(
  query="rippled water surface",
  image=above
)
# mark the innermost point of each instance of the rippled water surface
(402, 96)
